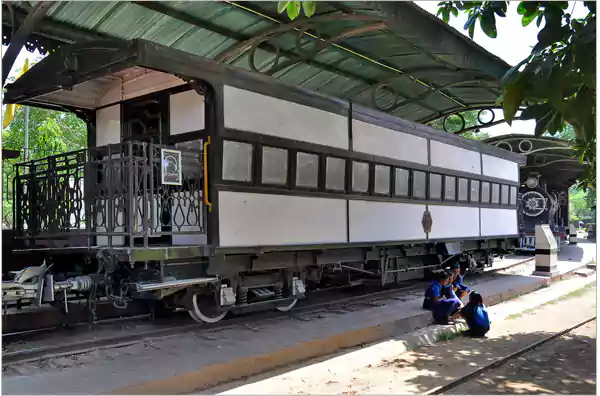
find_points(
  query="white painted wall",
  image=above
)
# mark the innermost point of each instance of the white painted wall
(258, 113)
(456, 158)
(498, 222)
(108, 125)
(247, 219)
(376, 140)
(454, 222)
(385, 221)
(186, 112)
(500, 168)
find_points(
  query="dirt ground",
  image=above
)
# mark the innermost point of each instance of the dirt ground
(566, 365)
(423, 369)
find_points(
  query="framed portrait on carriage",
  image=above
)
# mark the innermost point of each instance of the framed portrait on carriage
(170, 167)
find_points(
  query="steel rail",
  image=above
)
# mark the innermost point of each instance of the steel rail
(497, 363)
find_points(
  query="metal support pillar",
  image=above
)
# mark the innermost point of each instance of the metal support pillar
(546, 252)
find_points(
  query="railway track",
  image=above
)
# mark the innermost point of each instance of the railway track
(502, 361)
(323, 300)
(69, 347)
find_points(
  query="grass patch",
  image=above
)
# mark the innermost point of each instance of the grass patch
(446, 336)
(575, 293)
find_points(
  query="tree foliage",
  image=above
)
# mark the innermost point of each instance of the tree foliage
(556, 83)
(582, 205)
(50, 132)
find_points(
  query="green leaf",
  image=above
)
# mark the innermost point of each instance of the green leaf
(445, 15)
(528, 18)
(488, 24)
(470, 21)
(513, 96)
(454, 11)
(309, 8)
(293, 9)
(472, 31)
(542, 124)
(500, 8)
(539, 20)
(281, 6)
(535, 111)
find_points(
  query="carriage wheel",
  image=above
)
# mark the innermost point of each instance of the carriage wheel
(285, 308)
(204, 309)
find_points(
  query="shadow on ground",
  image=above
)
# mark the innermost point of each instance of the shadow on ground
(565, 365)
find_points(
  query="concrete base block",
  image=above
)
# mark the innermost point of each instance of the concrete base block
(546, 274)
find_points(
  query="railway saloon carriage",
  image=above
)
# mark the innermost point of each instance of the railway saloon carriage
(218, 189)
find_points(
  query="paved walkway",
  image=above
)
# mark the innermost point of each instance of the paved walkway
(378, 370)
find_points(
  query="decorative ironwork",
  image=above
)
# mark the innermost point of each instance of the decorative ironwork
(486, 117)
(108, 196)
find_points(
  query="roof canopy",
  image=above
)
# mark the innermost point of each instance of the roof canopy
(390, 56)
(553, 158)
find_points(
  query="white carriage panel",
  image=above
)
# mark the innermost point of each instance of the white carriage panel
(186, 112)
(385, 221)
(108, 125)
(249, 111)
(496, 222)
(247, 219)
(500, 168)
(451, 222)
(376, 140)
(451, 157)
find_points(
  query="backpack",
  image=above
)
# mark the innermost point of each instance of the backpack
(480, 317)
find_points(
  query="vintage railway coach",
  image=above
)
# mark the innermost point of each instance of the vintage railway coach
(218, 189)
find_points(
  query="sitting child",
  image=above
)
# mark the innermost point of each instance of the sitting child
(441, 299)
(460, 288)
(476, 315)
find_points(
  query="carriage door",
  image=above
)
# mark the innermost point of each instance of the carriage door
(147, 120)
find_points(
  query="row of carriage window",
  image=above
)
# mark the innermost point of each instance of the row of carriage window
(388, 181)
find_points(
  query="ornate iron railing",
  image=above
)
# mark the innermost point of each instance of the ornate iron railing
(8, 175)
(129, 194)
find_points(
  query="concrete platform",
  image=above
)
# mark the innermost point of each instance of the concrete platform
(201, 360)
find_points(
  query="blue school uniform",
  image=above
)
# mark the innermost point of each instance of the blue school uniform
(447, 304)
(459, 285)
(477, 319)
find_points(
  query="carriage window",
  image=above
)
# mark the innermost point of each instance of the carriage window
(435, 186)
(307, 170)
(475, 191)
(495, 193)
(360, 176)
(485, 192)
(336, 174)
(419, 185)
(274, 165)
(513, 195)
(463, 189)
(504, 195)
(382, 179)
(402, 182)
(237, 161)
(450, 188)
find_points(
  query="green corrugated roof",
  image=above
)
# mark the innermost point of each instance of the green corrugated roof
(393, 43)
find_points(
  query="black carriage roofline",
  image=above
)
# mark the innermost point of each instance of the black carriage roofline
(78, 63)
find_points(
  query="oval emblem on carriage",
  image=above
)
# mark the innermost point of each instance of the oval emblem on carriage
(427, 221)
